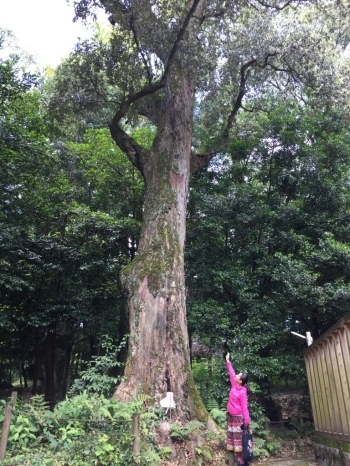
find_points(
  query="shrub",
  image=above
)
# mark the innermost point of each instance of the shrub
(95, 378)
(85, 430)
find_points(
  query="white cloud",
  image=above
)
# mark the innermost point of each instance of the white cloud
(43, 28)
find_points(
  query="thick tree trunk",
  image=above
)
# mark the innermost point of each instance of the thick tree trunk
(123, 329)
(158, 359)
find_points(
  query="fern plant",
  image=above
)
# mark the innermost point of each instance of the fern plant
(182, 432)
(85, 430)
(219, 416)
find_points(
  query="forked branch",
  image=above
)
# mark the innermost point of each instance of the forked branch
(244, 75)
(199, 161)
(124, 141)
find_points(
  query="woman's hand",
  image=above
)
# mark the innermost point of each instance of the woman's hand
(227, 357)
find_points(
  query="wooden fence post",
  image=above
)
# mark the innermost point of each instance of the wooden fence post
(231, 458)
(136, 433)
(301, 419)
(6, 425)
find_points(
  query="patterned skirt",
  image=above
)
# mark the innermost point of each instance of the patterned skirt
(234, 433)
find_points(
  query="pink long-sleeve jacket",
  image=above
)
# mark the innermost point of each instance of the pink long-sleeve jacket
(238, 397)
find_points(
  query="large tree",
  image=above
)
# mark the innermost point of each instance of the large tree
(177, 63)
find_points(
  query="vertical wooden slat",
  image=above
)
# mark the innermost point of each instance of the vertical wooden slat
(316, 390)
(333, 402)
(309, 358)
(345, 342)
(344, 338)
(328, 413)
(333, 384)
(328, 371)
(318, 382)
(311, 388)
(324, 388)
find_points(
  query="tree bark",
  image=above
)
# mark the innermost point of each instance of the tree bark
(158, 359)
(38, 364)
(66, 369)
(50, 365)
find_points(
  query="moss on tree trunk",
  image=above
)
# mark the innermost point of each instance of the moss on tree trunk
(158, 359)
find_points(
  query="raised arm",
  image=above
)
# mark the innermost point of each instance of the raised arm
(231, 371)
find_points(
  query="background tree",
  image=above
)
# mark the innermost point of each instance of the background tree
(268, 241)
(63, 239)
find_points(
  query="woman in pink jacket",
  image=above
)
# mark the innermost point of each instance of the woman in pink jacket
(237, 410)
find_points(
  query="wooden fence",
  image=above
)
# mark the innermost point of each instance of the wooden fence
(328, 372)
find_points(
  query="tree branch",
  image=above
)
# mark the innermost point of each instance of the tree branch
(149, 107)
(133, 29)
(254, 108)
(180, 36)
(134, 151)
(218, 14)
(199, 161)
(127, 144)
(244, 72)
(277, 7)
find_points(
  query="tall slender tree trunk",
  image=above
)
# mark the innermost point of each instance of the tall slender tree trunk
(66, 369)
(38, 364)
(158, 358)
(50, 365)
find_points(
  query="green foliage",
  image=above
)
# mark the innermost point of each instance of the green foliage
(203, 454)
(260, 449)
(65, 232)
(23, 432)
(267, 243)
(219, 416)
(212, 404)
(95, 378)
(165, 452)
(305, 429)
(82, 430)
(211, 382)
(181, 432)
(273, 446)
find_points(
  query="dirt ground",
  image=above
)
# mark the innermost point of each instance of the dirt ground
(304, 461)
(296, 450)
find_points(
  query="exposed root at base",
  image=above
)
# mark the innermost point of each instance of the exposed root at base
(202, 447)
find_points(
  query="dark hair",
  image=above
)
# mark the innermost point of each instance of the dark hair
(244, 380)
